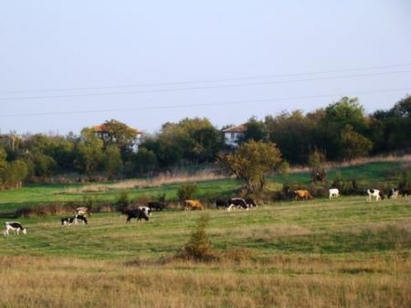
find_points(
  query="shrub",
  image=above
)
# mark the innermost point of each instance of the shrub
(199, 247)
(185, 192)
(123, 201)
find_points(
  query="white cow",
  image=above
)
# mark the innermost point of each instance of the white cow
(14, 226)
(333, 193)
(373, 194)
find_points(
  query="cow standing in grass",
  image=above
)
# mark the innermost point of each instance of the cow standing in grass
(15, 227)
(374, 194)
(302, 194)
(142, 212)
(238, 203)
(193, 205)
(68, 221)
(333, 193)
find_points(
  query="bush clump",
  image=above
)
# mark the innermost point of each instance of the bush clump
(199, 246)
(186, 191)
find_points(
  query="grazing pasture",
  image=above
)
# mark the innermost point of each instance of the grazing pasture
(344, 252)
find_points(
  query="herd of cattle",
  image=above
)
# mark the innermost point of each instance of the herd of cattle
(144, 212)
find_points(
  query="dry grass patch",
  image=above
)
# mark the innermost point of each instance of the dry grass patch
(293, 281)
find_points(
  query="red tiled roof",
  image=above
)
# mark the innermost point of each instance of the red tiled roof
(236, 129)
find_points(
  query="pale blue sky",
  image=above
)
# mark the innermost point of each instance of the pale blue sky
(66, 65)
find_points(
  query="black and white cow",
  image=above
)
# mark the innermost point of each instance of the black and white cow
(14, 226)
(142, 212)
(374, 194)
(67, 221)
(237, 202)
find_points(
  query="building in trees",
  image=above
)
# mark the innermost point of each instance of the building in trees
(233, 133)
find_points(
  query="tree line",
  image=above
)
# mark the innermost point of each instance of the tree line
(338, 132)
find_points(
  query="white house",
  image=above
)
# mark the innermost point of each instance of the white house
(232, 133)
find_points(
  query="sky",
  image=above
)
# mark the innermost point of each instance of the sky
(67, 65)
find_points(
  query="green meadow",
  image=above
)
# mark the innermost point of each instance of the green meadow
(344, 252)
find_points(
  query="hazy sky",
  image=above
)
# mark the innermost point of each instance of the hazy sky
(66, 65)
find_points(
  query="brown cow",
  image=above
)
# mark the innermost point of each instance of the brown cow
(302, 194)
(193, 205)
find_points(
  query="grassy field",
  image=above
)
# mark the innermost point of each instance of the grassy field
(345, 252)
(320, 253)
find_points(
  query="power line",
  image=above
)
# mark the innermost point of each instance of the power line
(202, 87)
(176, 106)
(208, 80)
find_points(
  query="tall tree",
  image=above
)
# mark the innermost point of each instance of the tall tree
(347, 111)
(251, 162)
(292, 132)
(255, 131)
(89, 152)
(354, 144)
(116, 133)
(112, 163)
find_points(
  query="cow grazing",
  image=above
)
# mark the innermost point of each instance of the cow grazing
(68, 221)
(15, 227)
(393, 193)
(155, 205)
(139, 213)
(239, 203)
(82, 218)
(221, 203)
(193, 205)
(83, 210)
(302, 194)
(374, 194)
(333, 193)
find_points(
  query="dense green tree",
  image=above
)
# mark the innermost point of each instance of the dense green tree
(402, 109)
(354, 144)
(255, 131)
(200, 140)
(119, 134)
(15, 172)
(40, 165)
(12, 173)
(347, 111)
(144, 162)
(395, 125)
(292, 132)
(208, 142)
(112, 163)
(251, 162)
(89, 152)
